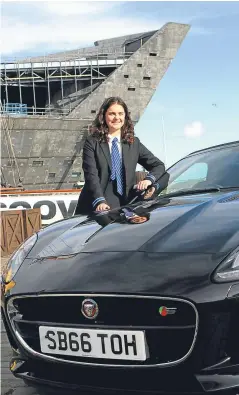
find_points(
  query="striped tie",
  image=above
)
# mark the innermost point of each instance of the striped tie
(117, 170)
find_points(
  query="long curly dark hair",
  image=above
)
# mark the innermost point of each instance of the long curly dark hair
(99, 128)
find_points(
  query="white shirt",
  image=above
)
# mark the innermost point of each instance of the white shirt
(111, 138)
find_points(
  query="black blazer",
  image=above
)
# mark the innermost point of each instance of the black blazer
(97, 169)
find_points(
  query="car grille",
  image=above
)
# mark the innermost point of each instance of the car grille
(170, 338)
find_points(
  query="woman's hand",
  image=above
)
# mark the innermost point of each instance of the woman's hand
(142, 185)
(102, 207)
(149, 193)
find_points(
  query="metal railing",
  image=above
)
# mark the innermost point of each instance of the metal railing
(18, 109)
(72, 58)
(46, 62)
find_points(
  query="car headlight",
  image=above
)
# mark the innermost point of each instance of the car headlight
(17, 258)
(228, 270)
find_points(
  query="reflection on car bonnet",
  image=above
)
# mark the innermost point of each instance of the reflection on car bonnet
(133, 218)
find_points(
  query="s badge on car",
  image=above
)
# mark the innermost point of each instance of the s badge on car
(90, 308)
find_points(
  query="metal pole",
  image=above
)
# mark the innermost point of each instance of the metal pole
(33, 88)
(6, 85)
(75, 75)
(62, 93)
(164, 141)
(19, 85)
(91, 76)
(48, 90)
(98, 64)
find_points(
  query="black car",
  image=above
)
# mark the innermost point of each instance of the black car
(140, 299)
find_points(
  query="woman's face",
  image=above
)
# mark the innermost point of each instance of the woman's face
(115, 117)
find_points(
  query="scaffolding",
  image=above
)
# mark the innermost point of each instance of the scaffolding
(66, 81)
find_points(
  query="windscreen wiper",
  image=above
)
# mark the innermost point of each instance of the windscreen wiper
(184, 192)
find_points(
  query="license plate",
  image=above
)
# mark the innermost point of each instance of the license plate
(93, 343)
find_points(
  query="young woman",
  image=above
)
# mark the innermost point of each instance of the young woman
(110, 157)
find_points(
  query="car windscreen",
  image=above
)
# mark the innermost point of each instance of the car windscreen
(214, 168)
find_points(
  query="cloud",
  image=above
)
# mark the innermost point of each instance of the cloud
(64, 26)
(194, 129)
(53, 26)
(73, 8)
(71, 36)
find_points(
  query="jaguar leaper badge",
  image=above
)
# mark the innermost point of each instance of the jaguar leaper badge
(89, 309)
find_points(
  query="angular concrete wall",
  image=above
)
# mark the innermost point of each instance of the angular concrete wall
(164, 44)
(55, 142)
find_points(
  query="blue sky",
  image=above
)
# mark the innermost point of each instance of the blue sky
(198, 98)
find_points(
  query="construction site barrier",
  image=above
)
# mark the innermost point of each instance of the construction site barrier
(17, 226)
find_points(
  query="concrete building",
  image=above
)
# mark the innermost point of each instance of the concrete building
(49, 102)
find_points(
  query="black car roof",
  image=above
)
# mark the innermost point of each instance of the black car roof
(214, 147)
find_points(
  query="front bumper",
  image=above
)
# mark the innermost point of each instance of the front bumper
(174, 380)
(184, 378)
